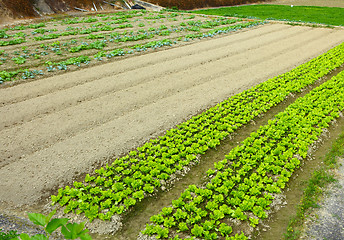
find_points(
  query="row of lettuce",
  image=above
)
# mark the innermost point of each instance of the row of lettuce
(101, 44)
(195, 26)
(43, 27)
(163, 30)
(243, 184)
(119, 186)
(118, 17)
(116, 37)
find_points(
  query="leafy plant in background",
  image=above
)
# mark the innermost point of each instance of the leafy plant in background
(19, 60)
(8, 235)
(68, 230)
(12, 42)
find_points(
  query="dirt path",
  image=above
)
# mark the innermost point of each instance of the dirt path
(54, 129)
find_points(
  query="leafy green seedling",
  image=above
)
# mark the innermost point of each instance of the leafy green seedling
(69, 231)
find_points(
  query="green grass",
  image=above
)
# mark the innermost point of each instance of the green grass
(321, 15)
(314, 189)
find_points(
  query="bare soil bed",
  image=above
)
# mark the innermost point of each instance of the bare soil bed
(54, 129)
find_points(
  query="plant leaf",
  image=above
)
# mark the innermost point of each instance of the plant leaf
(50, 215)
(24, 236)
(37, 218)
(39, 237)
(85, 237)
(55, 224)
(83, 232)
(67, 234)
(73, 230)
(79, 227)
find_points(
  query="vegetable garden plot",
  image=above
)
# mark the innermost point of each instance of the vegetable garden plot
(137, 219)
(128, 180)
(60, 158)
(49, 47)
(242, 186)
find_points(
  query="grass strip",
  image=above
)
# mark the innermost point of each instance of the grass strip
(314, 189)
(242, 186)
(321, 15)
(119, 186)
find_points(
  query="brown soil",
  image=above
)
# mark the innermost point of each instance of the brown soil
(54, 129)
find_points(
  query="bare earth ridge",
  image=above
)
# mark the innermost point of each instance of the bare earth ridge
(53, 129)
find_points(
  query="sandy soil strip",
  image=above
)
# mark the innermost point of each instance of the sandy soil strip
(74, 136)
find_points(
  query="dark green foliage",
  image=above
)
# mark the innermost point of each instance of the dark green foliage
(8, 235)
(322, 15)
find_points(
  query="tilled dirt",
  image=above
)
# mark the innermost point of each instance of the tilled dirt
(54, 129)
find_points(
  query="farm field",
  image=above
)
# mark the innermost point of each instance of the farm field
(62, 117)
